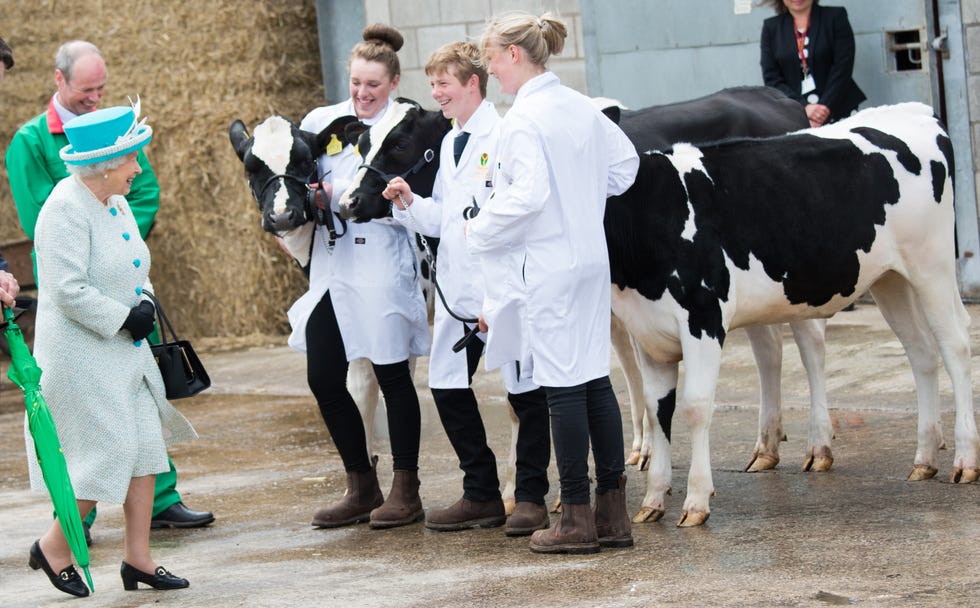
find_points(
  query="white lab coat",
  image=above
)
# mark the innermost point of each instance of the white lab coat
(455, 189)
(372, 274)
(559, 160)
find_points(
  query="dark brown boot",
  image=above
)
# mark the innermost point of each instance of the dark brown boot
(526, 518)
(574, 532)
(403, 505)
(612, 523)
(465, 514)
(363, 494)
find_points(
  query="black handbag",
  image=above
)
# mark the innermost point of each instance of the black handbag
(182, 371)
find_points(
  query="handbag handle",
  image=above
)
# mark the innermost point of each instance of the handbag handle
(164, 321)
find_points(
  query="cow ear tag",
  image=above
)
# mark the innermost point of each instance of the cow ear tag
(334, 146)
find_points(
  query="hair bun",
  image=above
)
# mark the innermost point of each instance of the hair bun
(385, 34)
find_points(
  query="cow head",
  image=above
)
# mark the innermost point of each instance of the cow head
(404, 143)
(280, 163)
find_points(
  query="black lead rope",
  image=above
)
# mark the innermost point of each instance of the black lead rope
(427, 157)
(430, 258)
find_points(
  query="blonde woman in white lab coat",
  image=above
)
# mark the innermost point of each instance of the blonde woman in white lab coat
(559, 159)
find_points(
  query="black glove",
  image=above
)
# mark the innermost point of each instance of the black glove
(140, 320)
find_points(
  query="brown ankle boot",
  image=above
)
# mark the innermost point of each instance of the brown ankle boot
(574, 532)
(612, 523)
(403, 505)
(363, 494)
(526, 518)
(465, 514)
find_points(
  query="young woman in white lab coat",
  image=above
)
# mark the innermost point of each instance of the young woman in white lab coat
(365, 300)
(559, 158)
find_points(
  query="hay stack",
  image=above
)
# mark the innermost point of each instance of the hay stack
(197, 66)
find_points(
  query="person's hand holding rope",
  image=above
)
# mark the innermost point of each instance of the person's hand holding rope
(399, 193)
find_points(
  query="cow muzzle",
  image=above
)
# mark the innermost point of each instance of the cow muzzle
(283, 222)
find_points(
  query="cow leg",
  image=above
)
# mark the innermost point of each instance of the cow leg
(623, 345)
(767, 347)
(364, 388)
(510, 470)
(702, 360)
(899, 305)
(810, 340)
(949, 321)
(659, 394)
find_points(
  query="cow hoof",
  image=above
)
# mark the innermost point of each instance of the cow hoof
(644, 463)
(922, 472)
(818, 464)
(648, 515)
(690, 519)
(633, 458)
(762, 462)
(509, 504)
(967, 475)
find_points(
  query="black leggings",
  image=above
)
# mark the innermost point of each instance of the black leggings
(326, 373)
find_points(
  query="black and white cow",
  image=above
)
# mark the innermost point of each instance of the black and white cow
(404, 143)
(748, 111)
(280, 164)
(787, 228)
(404, 138)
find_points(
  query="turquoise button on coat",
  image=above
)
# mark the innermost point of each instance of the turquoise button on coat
(136, 262)
(126, 235)
(137, 342)
(139, 291)
(112, 210)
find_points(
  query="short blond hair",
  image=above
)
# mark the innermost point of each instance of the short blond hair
(465, 57)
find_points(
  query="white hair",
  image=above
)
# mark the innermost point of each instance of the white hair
(96, 168)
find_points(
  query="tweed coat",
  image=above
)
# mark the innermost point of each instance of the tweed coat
(103, 388)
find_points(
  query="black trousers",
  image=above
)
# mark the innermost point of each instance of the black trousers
(580, 414)
(460, 416)
(326, 373)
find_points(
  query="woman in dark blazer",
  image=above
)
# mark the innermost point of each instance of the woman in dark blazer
(826, 90)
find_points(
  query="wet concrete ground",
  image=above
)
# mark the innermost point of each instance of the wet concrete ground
(859, 534)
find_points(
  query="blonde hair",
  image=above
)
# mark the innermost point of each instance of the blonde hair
(541, 37)
(381, 44)
(465, 57)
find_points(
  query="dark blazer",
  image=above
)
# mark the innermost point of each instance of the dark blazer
(830, 59)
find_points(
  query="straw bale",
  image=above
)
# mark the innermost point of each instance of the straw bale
(196, 66)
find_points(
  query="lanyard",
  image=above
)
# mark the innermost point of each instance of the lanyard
(801, 46)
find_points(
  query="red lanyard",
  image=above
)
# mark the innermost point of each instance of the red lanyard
(801, 46)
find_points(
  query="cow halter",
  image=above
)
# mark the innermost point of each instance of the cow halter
(316, 209)
(427, 157)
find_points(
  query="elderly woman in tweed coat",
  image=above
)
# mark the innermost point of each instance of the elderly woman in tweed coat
(100, 379)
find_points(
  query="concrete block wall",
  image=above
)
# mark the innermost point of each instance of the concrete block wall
(428, 24)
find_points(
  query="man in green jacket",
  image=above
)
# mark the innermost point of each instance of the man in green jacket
(33, 169)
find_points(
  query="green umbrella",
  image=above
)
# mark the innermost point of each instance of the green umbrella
(25, 373)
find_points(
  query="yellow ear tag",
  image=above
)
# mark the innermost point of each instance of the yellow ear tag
(334, 146)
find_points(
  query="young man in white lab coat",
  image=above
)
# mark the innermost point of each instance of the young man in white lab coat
(464, 180)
